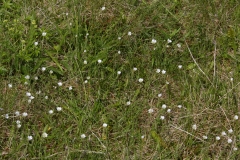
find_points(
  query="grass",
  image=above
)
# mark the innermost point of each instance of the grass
(197, 44)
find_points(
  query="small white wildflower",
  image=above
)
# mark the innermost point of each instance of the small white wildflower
(164, 106)
(88, 77)
(218, 138)
(179, 45)
(24, 114)
(19, 125)
(28, 94)
(44, 34)
(154, 41)
(66, 14)
(103, 8)
(194, 127)
(44, 135)
(223, 133)
(76, 35)
(31, 97)
(167, 82)
(43, 69)
(46, 97)
(83, 136)
(169, 41)
(29, 101)
(30, 138)
(51, 72)
(158, 70)
(231, 79)
(128, 103)
(87, 34)
(86, 81)
(169, 110)
(84, 50)
(163, 71)
(6, 116)
(119, 72)
(50, 111)
(179, 106)
(70, 88)
(84, 62)
(60, 84)
(129, 33)
(27, 77)
(119, 52)
(160, 95)
(119, 38)
(179, 66)
(134, 69)
(36, 78)
(140, 80)
(18, 122)
(150, 110)
(9, 85)
(229, 140)
(38, 92)
(142, 136)
(35, 43)
(162, 117)
(70, 23)
(154, 48)
(105, 125)
(59, 109)
(26, 83)
(205, 137)
(99, 61)
(17, 113)
(230, 131)
(235, 148)
(236, 117)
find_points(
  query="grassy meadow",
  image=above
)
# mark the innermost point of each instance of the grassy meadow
(120, 80)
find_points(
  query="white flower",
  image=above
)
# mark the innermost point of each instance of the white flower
(179, 106)
(18, 122)
(167, 82)
(179, 66)
(119, 38)
(119, 52)
(140, 80)
(50, 111)
(66, 14)
(205, 137)
(83, 136)
(236, 117)
(150, 110)
(27, 77)
(86, 81)
(30, 138)
(103, 8)
(235, 148)
(70, 88)
(128, 103)
(158, 71)
(24, 114)
(29, 101)
(169, 110)
(60, 84)
(19, 125)
(51, 72)
(87, 34)
(119, 72)
(230, 131)
(9, 85)
(231, 79)
(84, 62)
(88, 77)
(154, 41)
(164, 106)
(70, 23)
(194, 127)
(44, 34)
(163, 71)
(44, 135)
(218, 138)
(59, 108)
(35, 43)
(162, 117)
(28, 94)
(134, 69)
(31, 97)
(99, 61)
(38, 92)
(129, 33)
(6, 116)
(26, 83)
(43, 69)
(46, 97)
(160, 95)
(36, 78)
(105, 125)
(223, 133)
(179, 45)
(142, 136)
(85, 50)
(17, 113)
(169, 41)
(229, 140)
